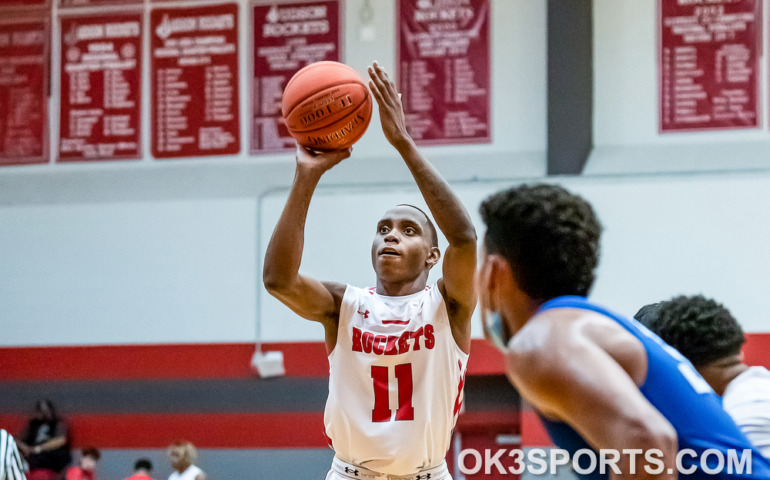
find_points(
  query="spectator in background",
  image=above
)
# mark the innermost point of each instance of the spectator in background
(45, 443)
(11, 464)
(707, 334)
(182, 455)
(87, 468)
(142, 469)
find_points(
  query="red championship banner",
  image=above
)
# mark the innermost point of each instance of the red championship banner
(88, 3)
(444, 70)
(24, 67)
(194, 76)
(287, 36)
(23, 5)
(709, 64)
(101, 87)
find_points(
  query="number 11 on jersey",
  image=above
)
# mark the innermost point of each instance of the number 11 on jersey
(381, 411)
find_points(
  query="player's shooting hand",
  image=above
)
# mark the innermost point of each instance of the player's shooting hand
(320, 161)
(389, 102)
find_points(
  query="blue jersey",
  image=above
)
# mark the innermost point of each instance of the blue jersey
(675, 388)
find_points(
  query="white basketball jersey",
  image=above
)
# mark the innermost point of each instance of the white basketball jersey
(747, 400)
(189, 474)
(396, 381)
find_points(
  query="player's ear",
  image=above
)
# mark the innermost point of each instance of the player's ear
(433, 257)
(490, 280)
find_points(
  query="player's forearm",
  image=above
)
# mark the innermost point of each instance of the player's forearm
(23, 448)
(450, 214)
(52, 444)
(284, 252)
(656, 450)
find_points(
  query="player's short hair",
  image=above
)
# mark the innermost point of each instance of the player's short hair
(549, 236)
(702, 329)
(92, 452)
(431, 228)
(143, 464)
(190, 452)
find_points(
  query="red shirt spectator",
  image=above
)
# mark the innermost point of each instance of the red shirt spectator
(140, 476)
(80, 473)
(86, 470)
(142, 469)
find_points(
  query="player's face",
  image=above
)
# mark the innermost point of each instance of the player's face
(176, 456)
(88, 463)
(401, 250)
(43, 411)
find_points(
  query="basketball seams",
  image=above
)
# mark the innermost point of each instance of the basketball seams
(341, 67)
(339, 70)
(363, 129)
(295, 103)
(325, 121)
(340, 124)
(326, 106)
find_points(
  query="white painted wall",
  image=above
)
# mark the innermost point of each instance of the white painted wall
(188, 271)
(663, 236)
(167, 252)
(139, 272)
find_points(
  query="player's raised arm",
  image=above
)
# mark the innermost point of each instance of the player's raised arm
(459, 265)
(309, 298)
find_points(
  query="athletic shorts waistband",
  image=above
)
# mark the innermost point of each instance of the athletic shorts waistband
(356, 472)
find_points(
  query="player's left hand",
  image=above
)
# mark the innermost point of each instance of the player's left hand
(308, 159)
(389, 102)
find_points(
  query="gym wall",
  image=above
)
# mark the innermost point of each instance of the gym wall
(130, 291)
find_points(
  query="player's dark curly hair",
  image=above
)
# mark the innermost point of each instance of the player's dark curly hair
(702, 329)
(549, 236)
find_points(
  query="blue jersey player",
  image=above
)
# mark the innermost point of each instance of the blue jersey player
(597, 380)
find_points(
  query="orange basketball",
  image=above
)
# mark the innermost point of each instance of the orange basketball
(326, 106)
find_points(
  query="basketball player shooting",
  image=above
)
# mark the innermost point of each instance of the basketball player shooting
(397, 351)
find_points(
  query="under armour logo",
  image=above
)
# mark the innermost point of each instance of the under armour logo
(364, 313)
(426, 476)
(350, 470)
